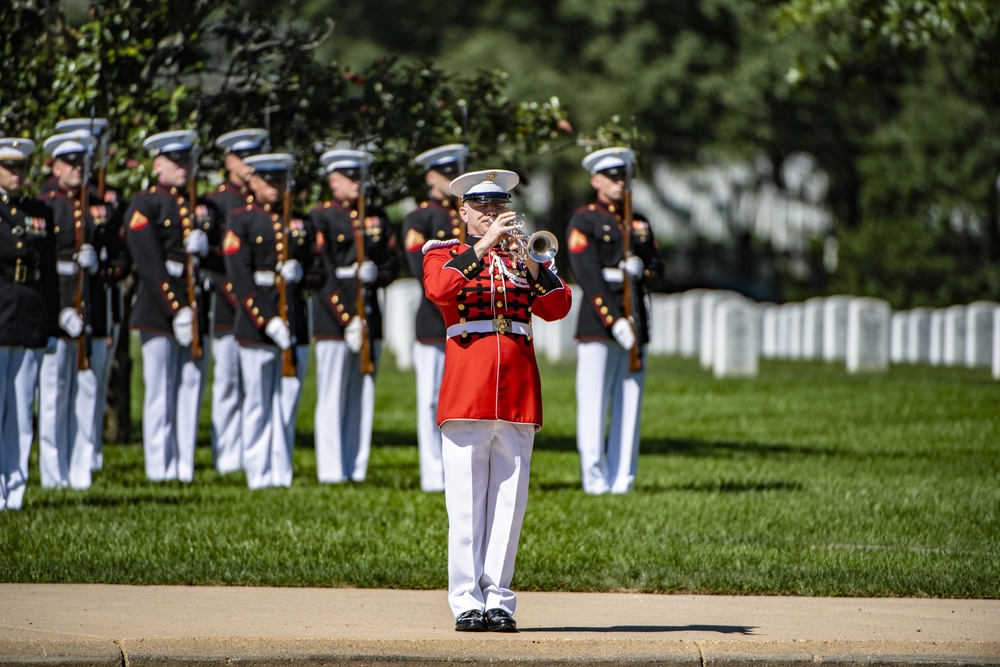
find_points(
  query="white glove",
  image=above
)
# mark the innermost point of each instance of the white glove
(184, 326)
(353, 335)
(291, 271)
(623, 333)
(633, 265)
(368, 272)
(86, 257)
(279, 333)
(71, 322)
(196, 243)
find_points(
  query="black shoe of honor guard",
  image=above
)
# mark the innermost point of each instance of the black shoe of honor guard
(470, 621)
(498, 620)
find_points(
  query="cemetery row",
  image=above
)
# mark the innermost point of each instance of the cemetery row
(728, 333)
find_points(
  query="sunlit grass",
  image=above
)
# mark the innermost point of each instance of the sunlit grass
(804, 481)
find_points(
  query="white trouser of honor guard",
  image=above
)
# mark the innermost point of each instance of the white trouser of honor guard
(603, 383)
(89, 400)
(486, 467)
(102, 358)
(291, 392)
(173, 381)
(269, 407)
(18, 378)
(428, 362)
(57, 415)
(345, 409)
(227, 395)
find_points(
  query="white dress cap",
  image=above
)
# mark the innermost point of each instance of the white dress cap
(249, 139)
(608, 158)
(488, 185)
(175, 141)
(271, 162)
(12, 148)
(94, 126)
(442, 155)
(80, 141)
(345, 159)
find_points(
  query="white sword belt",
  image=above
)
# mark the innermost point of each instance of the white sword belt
(501, 325)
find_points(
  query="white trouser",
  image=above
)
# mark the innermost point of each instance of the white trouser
(90, 398)
(486, 468)
(603, 383)
(173, 381)
(18, 377)
(102, 358)
(227, 395)
(291, 392)
(57, 416)
(428, 362)
(270, 403)
(345, 408)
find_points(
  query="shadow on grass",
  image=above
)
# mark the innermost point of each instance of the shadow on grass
(64, 499)
(713, 486)
(721, 629)
(696, 448)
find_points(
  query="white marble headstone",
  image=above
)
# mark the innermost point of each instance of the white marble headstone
(953, 351)
(918, 336)
(979, 333)
(709, 302)
(898, 330)
(736, 344)
(835, 327)
(867, 335)
(812, 328)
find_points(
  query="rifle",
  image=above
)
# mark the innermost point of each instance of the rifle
(462, 233)
(192, 263)
(80, 300)
(634, 357)
(287, 356)
(367, 363)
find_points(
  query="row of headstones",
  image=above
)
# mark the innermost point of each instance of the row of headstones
(729, 333)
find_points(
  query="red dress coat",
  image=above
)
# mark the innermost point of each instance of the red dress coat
(490, 374)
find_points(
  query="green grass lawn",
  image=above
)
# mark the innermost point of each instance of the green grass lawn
(803, 481)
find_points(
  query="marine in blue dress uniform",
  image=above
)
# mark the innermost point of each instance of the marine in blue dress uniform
(227, 386)
(163, 231)
(595, 240)
(434, 219)
(89, 259)
(265, 255)
(345, 400)
(29, 292)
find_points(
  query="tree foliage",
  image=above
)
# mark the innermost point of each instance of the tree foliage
(214, 67)
(895, 99)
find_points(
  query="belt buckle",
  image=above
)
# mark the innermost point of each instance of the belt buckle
(502, 325)
(20, 272)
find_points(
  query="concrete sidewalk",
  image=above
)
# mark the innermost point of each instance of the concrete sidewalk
(56, 624)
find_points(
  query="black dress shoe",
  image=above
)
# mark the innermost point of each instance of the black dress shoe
(498, 620)
(471, 621)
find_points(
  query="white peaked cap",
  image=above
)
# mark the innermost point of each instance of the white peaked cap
(271, 162)
(345, 159)
(249, 139)
(80, 141)
(485, 185)
(94, 126)
(170, 142)
(608, 158)
(12, 148)
(441, 155)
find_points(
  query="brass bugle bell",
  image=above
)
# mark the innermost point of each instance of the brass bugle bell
(542, 247)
